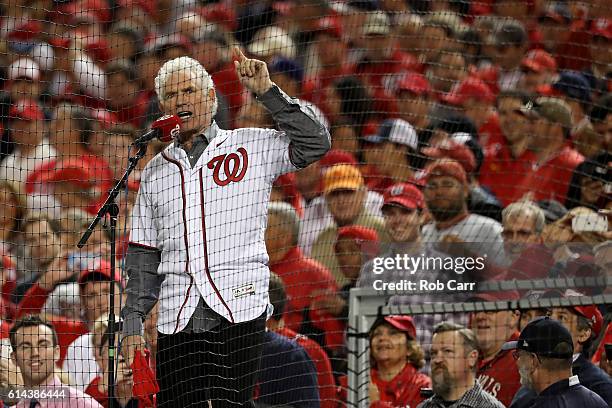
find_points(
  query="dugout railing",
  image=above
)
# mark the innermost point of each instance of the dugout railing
(366, 304)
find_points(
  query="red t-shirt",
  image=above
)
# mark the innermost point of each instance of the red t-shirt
(490, 133)
(301, 277)
(325, 377)
(547, 181)
(500, 171)
(404, 390)
(499, 376)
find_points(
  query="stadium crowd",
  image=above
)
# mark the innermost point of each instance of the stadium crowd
(459, 129)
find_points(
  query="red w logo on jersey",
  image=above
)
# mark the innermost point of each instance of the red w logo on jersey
(234, 167)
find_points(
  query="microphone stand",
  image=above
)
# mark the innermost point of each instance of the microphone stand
(111, 208)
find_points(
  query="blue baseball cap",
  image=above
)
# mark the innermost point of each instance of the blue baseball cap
(287, 66)
(574, 85)
(545, 337)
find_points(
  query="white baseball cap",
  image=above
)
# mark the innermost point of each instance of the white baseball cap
(24, 68)
(397, 131)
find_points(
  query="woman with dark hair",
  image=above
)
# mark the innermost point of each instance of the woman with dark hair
(590, 182)
(396, 358)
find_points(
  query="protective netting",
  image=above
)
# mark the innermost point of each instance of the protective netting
(420, 148)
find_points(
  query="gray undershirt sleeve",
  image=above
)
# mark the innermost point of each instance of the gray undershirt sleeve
(143, 287)
(310, 140)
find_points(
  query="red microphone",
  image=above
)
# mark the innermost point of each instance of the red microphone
(164, 129)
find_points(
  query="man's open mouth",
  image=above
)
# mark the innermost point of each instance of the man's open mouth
(185, 114)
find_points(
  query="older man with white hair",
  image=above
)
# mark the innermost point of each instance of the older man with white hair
(197, 235)
(523, 223)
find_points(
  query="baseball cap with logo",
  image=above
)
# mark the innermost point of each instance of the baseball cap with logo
(396, 131)
(404, 195)
(552, 109)
(342, 177)
(404, 324)
(26, 109)
(545, 337)
(376, 23)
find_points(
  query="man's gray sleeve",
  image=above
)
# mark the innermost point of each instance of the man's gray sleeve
(310, 140)
(143, 287)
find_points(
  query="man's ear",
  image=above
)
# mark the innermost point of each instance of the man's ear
(212, 94)
(473, 358)
(56, 353)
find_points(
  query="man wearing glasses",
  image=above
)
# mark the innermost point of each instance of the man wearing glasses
(544, 352)
(35, 351)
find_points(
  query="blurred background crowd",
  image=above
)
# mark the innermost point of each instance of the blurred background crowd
(459, 128)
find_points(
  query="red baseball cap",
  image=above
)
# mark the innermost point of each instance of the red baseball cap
(402, 323)
(405, 195)
(100, 272)
(539, 60)
(593, 315)
(26, 32)
(590, 312)
(337, 156)
(602, 27)
(358, 233)
(26, 109)
(448, 168)
(470, 87)
(104, 117)
(329, 25)
(455, 151)
(72, 171)
(414, 83)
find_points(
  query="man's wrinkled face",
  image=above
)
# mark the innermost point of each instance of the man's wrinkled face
(519, 231)
(493, 328)
(182, 96)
